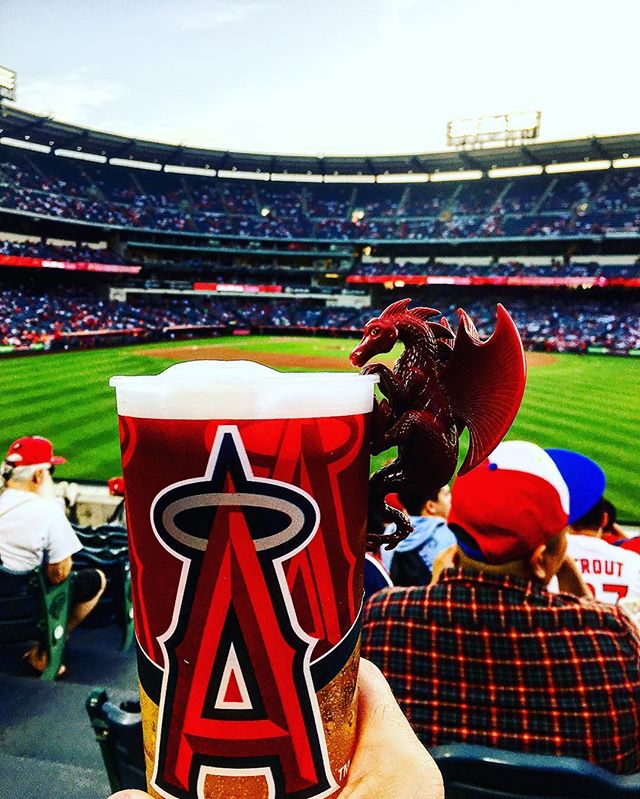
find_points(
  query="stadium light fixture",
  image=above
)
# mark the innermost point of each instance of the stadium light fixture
(349, 178)
(576, 166)
(625, 163)
(296, 177)
(238, 174)
(515, 171)
(82, 156)
(25, 145)
(504, 129)
(190, 170)
(463, 174)
(136, 164)
(403, 177)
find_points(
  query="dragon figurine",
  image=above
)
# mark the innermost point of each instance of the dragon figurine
(441, 383)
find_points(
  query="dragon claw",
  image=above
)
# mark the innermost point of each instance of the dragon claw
(391, 540)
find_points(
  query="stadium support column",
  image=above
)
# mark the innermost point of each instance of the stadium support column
(114, 242)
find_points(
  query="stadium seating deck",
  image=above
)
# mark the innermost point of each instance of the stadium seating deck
(531, 206)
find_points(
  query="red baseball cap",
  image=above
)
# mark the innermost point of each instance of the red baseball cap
(512, 502)
(32, 450)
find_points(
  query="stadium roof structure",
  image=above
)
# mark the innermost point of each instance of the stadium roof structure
(23, 125)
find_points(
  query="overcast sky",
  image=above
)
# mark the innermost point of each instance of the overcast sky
(323, 76)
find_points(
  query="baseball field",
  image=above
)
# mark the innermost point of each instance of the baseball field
(589, 403)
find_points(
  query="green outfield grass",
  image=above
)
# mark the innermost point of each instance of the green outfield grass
(586, 403)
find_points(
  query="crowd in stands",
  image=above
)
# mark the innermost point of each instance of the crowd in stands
(33, 315)
(542, 205)
(60, 252)
(508, 269)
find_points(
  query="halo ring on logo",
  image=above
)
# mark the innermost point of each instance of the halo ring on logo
(240, 499)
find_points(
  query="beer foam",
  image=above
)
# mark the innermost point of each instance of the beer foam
(242, 390)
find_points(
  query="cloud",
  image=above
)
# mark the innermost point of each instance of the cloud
(223, 12)
(69, 96)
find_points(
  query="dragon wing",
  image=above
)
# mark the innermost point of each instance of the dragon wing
(484, 381)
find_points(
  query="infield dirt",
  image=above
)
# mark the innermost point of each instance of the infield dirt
(283, 360)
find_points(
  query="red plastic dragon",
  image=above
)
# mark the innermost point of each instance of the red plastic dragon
(441, 383)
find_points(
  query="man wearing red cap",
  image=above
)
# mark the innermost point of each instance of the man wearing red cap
(35, 531)
(487, 655)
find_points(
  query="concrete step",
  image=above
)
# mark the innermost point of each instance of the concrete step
(30, 778)
(93, 658)
(47, 721)
(47, 746)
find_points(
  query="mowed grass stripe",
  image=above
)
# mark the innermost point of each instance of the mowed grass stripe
(599, 448)
(569, 403)
(583, 424)
(585, 403)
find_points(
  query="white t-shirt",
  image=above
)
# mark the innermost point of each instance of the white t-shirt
(33, 530)
(611, 572)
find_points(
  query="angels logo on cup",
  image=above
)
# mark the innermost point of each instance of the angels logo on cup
(237, 695)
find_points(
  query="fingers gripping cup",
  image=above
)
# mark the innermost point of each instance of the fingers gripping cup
(246, 495)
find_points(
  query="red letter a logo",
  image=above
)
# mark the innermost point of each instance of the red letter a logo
(237, 696)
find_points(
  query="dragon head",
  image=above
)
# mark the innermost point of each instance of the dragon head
(396, 321)
(379, 335)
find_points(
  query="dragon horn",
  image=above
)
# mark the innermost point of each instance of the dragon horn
(440, 331)
(424, 313)
(445, 322)
(465, 320)
(445, 349)
(398, 307)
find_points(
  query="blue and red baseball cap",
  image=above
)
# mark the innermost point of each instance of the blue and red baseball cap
(509, 504)
(584, 478)
(32, 451)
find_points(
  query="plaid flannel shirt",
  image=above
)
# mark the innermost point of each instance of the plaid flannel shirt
(502, 662)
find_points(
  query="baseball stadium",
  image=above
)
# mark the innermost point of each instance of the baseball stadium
(123, 256)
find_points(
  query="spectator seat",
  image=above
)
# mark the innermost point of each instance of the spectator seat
(118, 730)
(31, 609)
(480, 772)
(111, 536)
(115, 605)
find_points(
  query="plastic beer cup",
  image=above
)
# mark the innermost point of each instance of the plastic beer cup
(246, 496)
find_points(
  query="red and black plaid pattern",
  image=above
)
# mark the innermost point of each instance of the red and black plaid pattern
(500, 661)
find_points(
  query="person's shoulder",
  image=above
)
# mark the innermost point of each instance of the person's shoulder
(397, 601)
(46, 510)
(15, 498)
(631, 556)
(592, 614)
(629, 545)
